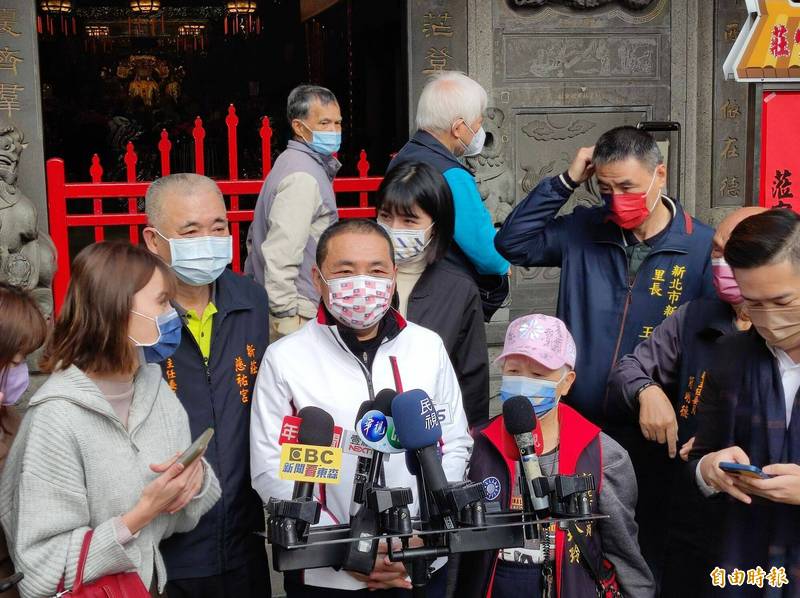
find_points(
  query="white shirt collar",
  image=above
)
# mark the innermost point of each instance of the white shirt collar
(785, 363)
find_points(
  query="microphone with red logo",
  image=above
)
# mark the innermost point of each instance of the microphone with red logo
(520, 421)
(316, 429)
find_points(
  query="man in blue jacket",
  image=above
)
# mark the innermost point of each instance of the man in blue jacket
(625, 266)
(449, 126)
(213, 372)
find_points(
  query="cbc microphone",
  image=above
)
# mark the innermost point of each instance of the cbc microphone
(316, 429)
(418, 429)
(520, 421)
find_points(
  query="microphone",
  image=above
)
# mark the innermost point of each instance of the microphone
(376, 426)
(363, 466)
(316, 429)
(520, 421)
(418, 429)
(364, 521)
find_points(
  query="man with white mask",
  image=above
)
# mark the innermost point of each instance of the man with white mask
(224, 329)
(449, 127)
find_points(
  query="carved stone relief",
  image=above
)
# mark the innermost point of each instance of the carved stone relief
(494, 178)
(542, 56)
(581, 4)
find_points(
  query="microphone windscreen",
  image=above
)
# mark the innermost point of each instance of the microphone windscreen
(415, 420)
(383, 401)
(316, 427)
(518, 415)
(362, 410)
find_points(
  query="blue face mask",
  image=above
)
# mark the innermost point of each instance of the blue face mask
(199, 261)
(169, 336)
(541, 393)
(324, 142)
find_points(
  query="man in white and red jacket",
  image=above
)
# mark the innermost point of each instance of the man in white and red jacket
(356, 347)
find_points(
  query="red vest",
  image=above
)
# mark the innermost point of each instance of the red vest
(579, 451)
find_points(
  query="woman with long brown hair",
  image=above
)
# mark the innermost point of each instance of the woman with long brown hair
(22, 331)
(98, 444)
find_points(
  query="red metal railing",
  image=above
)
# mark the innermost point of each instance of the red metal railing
(60, 192)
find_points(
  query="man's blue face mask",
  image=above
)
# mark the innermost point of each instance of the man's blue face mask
(324, 142)
(542, 394)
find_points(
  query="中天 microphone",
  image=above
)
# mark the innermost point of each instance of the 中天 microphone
(316, 429)
(519, 418)
(418, 429)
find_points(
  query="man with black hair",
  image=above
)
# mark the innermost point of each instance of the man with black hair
(356, 347)
(625, 266)
(751, 412)
(295, 205)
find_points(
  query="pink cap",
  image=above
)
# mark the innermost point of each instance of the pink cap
(544, 339)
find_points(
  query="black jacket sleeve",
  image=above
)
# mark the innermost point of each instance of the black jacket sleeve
(471, 361)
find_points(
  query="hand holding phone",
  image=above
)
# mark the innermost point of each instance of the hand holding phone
(750, 471)
(196, 449)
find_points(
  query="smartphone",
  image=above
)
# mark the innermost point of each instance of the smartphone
(751, 471)
(196, 448)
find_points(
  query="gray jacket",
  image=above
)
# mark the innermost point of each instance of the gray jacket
(295, 205)
(74, 466)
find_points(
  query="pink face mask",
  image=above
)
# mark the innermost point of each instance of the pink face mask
(359, 301)
(725, 283)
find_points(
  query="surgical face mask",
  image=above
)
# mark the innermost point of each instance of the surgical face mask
(724, 282)
(198, 261)
(475, 146)
(542, 394)
(408, 243)
(778, 325)
(358, 301)
(168, 325)
(630, 210)
(324, 142)
(13, 382)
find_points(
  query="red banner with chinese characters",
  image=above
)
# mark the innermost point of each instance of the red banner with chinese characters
(780, 158)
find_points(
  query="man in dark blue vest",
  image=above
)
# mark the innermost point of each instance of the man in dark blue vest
(213, 372)
(751, 415)
(625, 266)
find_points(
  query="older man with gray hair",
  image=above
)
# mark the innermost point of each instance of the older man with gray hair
(449, 127)
(213, 372)
(295, 205)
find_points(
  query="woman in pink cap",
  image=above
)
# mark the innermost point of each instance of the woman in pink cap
(538, 359)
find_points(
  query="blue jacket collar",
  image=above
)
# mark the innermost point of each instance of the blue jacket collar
(677, 239)
(427, 140)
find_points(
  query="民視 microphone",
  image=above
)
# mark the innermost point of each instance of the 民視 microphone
(418, 429)
(316, 429)
(520, 421)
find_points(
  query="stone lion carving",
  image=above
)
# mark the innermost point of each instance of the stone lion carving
(27, 256)
(495, 180)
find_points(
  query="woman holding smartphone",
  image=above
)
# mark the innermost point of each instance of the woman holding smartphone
(97, 449)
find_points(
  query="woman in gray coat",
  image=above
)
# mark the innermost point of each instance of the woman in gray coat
(97, 447)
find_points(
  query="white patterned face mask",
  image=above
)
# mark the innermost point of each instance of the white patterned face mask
(359, 301)
(408, 243)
